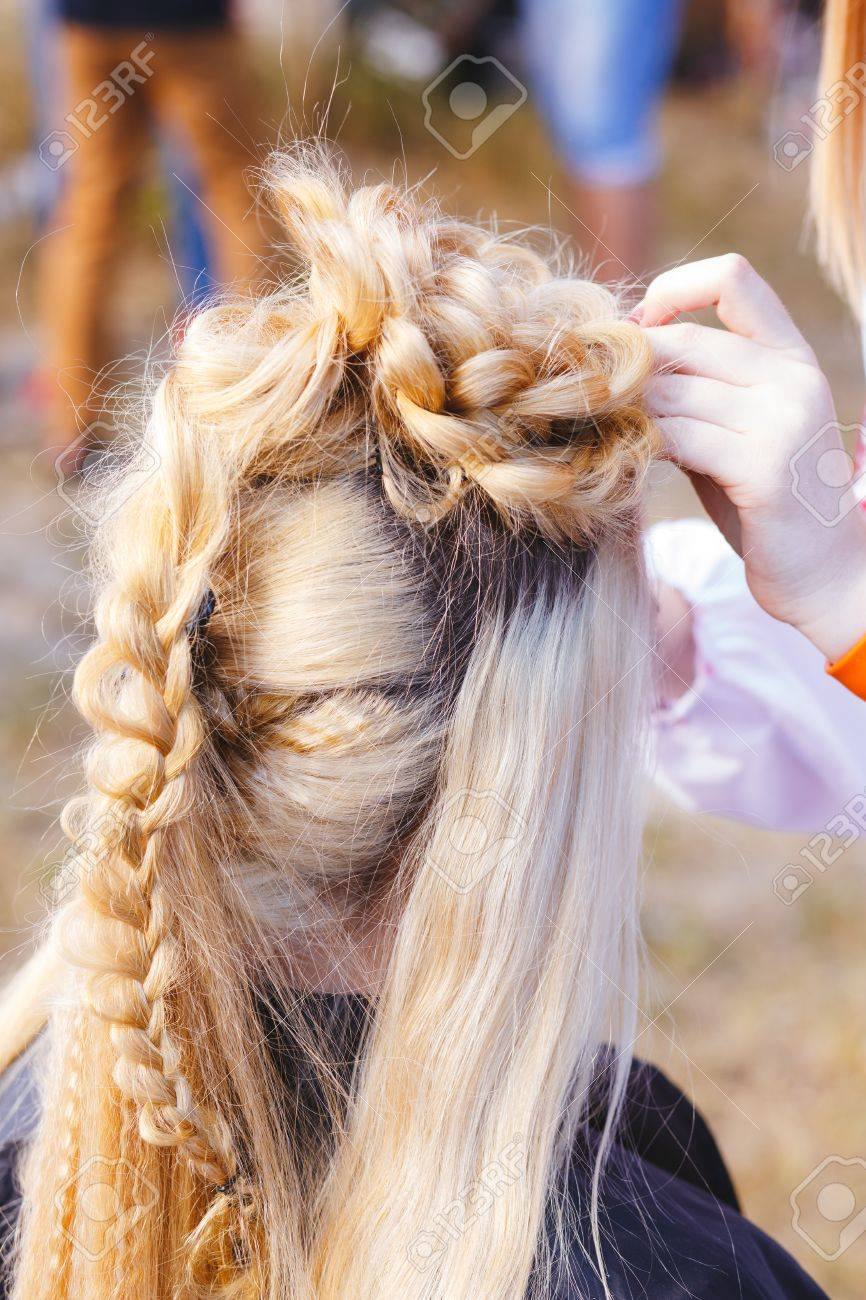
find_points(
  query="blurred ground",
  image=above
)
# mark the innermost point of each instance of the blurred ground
(760, 1007)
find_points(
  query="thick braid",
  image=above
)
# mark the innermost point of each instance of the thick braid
(135, 688)
(140, 769)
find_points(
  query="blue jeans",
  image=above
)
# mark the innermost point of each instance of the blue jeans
(599, 69)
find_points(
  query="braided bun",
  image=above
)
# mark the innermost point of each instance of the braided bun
(453, 356)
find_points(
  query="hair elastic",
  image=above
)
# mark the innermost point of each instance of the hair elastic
(200, 619)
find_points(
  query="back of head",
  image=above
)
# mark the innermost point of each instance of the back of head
(369, 661)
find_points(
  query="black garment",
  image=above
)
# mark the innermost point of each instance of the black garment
(149, 15)
(670, 1222)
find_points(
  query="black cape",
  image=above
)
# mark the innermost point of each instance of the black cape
(670, 1220)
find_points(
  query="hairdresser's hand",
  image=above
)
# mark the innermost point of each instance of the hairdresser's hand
(748, 413)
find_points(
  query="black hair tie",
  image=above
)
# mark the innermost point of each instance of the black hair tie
(197, 625)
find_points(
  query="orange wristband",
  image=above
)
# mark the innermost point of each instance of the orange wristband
(850, 670)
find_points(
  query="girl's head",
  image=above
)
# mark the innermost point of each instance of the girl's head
(370, 662)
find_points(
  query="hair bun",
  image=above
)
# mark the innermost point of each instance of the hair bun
(476, 371)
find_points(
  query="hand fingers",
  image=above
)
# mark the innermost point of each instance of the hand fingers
(703, 448)
(698, 398)
(702, 350)
(744, 302)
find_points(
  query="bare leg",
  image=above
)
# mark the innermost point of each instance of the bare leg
(616, 227)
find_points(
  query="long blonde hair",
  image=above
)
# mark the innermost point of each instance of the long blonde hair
(837, 176)
(372, 642)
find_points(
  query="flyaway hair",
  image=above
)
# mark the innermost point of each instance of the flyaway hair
(371, 656)
(838, 181)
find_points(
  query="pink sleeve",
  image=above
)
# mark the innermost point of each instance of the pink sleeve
(764, 735)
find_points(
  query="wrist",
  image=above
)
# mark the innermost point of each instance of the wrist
(833, 561)
(844, 622)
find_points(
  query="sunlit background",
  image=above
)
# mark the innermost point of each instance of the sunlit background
(753, 1004)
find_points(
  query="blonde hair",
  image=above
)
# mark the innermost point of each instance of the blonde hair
(372, 643)
(837, 175)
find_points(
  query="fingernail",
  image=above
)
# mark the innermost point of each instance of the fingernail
(636, 315)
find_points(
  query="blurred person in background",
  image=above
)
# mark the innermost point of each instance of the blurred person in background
(754, 29)
(599, 70)
(125, 65)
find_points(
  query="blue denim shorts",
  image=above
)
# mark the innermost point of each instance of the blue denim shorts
(598, 70)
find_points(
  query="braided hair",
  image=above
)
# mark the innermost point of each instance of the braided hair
(383, 575)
